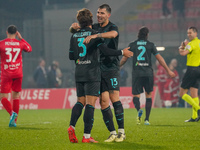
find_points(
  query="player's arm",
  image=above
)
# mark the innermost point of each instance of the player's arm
(74, 27)
(71, 50)
(184, 50)
(123, 61)
(26, 47)
(106, 35)
(163, 63)
(112, 52)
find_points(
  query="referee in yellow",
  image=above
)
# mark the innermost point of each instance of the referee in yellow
(192, 75)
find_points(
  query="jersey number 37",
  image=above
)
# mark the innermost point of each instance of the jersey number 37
(11, 57)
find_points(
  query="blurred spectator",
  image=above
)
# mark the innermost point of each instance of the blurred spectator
(40, 75)
(123, 76)
(165, 10)
(171, 87)
(51, 76)
(160, 80)
(179, 7)
(59, 76)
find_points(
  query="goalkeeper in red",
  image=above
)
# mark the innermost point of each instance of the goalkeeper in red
(11, 70)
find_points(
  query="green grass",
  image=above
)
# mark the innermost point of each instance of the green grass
(47, 130)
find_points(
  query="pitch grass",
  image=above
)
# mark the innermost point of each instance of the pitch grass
(47, 130)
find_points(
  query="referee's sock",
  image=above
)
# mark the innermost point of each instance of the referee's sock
(119, 114)
(189, 99)
(194, 112)
(108, 118)
(76, 113)
(7, 105)
(148, 108)
(136, 102)
(88, 118)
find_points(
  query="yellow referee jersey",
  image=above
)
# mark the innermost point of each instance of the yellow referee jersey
(193, 58)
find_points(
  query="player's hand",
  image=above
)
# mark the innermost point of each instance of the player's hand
(18, 35)
(127, 53)
(75, 26)
(88, 38)
(185, 42)
(171, 74)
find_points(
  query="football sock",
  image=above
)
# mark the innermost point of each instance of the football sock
(119, 114)
(121, 130)
(88, 118)
(7, 105)
(148, 107)
(108, 118)
(16, 107)
(87, 136)
(189, 99)
(76, 113)
(136, 102)
(194, 112)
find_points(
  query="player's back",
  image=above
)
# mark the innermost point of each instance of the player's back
(142, 50)
(86, 56)
(11, 57)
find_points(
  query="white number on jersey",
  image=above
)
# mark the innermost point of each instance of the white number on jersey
(11, 58)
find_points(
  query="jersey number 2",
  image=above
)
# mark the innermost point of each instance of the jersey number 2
(80, 44)
(11, 58)
(143, 50)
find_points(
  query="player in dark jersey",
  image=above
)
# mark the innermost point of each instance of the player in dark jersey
(109, 73)
(142, 73)
(87, 73)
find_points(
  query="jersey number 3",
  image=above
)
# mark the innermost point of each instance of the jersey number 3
(143, 50)
(80, 44)
(11, 58)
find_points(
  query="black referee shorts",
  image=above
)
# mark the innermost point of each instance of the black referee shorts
(191, 78)
(110, 81)
(138, 83)
(88, 88)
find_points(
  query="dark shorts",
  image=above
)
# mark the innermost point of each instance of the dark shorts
(191, 78)
(87, 88)
(109, 81)
(138, 83)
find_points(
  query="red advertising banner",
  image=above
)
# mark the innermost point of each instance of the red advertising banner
(66, 98)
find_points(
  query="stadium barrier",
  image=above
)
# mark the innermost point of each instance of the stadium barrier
(66, 98)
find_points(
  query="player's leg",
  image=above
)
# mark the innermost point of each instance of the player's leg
(92, 91)
(119, 114)
(106, 110)
(16, 88)
(148, 86)
(137, 88)
(6, 103)
(76, 112)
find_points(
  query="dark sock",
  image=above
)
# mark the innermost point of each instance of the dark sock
(119, 114)
(108, 118)
(88, 118)
(136, 102)
(148, 108)
(76, 113)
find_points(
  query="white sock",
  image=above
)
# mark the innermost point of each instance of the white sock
(87, 136)
(121, 130)
(113, 132)
(72, 127)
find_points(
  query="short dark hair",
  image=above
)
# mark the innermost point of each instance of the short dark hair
(84, 17)
(106, 6)
(194, 29)
(143, 33)
(12, 29)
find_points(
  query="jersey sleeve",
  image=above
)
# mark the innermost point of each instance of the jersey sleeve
(108, 51)
(154, 50)
(26, 46)
(71, 50)
(188, 47)
(114, 28)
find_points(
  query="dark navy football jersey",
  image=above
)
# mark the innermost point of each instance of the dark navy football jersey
(109, 63)
(87, 56)
(142, 49)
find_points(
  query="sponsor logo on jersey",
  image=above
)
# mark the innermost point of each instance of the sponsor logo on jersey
(141, 64)
(83, 62)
